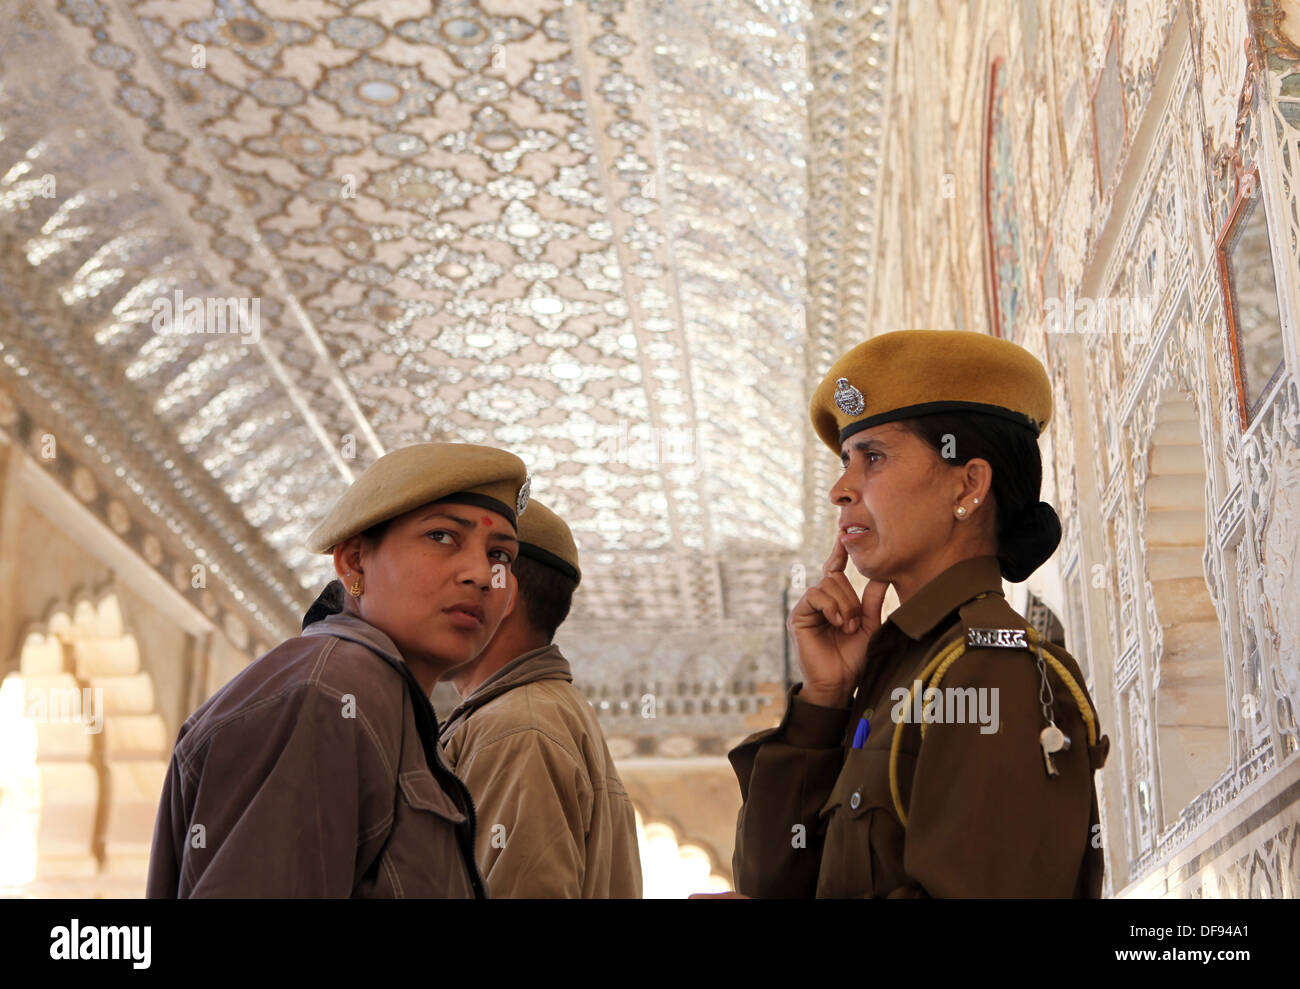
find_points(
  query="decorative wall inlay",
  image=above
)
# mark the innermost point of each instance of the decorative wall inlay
(1004, 222)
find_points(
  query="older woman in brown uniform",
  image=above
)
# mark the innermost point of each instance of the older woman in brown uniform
(946, 751)
(317, 772)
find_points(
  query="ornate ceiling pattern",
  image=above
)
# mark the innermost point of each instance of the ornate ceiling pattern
(575, 230)
(849, 56)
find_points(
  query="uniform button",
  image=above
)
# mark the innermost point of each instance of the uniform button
(855, 800)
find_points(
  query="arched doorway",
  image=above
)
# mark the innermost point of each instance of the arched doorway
(672, 868)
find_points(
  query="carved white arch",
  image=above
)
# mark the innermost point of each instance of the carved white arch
(85, 756)
(673, 867)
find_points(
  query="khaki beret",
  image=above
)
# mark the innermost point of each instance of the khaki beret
(544, 537)
(405, 479)
(910, 373)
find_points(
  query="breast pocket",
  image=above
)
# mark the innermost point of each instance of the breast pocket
(423, 857)
(862, 851)
(422, 792)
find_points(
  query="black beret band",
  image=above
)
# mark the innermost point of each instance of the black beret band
(482, 501)
(936, 408)
(535, 552)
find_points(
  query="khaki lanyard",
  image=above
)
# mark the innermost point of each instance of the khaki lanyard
(934, 672)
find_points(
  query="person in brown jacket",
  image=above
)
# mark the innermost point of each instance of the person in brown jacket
(316, 771)
(554, 818)
(946, 751)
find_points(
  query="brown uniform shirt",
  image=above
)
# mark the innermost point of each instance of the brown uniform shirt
(554, 819)
(984, 817)
(315, 772)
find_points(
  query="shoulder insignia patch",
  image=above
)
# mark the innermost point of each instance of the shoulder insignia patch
(997, 638)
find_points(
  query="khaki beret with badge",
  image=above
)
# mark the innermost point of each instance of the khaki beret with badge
(405, 479)
(544, 537)
(909, 373)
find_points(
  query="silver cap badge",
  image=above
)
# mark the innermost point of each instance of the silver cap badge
(522, 501)
(847, 398)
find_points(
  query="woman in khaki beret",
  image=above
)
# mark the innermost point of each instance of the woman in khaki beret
(944, 751)
(316, 772)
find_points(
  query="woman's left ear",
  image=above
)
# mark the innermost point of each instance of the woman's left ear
(978, 481)
(347, 557)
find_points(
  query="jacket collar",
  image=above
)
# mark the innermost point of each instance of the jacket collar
(545, 663)
(345, 625)
(946, 593)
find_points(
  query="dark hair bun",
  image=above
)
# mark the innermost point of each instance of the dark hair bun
(1029, 542)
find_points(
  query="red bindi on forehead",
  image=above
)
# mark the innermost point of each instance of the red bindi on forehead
(486, 520)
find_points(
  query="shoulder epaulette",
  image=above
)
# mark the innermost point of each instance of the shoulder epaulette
(988, 622)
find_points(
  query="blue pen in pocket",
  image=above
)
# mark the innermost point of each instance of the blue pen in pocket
(860, 736)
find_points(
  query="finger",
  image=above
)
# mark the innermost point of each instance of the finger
(873, 600)
(838, 559)
(817, 607)
(837, 585)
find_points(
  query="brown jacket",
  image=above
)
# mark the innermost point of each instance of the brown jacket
(315, 773)
(554, 819)
(984, 817)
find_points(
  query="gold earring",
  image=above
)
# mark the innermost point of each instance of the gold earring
(355, 589)
(961, 511)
